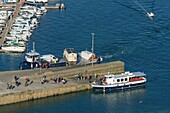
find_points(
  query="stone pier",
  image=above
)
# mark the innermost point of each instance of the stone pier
(37, 90)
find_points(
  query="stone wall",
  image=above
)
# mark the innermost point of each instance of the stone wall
(30, 95)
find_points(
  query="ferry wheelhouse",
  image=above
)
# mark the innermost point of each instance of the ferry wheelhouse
(120, 81)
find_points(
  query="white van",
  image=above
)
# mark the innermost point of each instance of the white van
(49, 58)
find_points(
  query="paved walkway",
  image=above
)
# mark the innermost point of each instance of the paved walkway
(35, 76)
(65, 72)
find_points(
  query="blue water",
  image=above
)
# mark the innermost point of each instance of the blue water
(122, 32)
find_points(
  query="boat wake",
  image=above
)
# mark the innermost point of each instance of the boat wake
(107, 56)
(144, 11)
(127, 6)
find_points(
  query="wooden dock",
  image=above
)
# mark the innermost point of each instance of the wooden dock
(18, 6)
(9, 24)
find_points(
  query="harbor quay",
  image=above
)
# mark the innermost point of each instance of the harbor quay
(23, 85)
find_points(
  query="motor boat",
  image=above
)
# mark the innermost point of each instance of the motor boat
(110, 82)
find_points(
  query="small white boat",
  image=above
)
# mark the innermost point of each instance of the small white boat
(151, 15)
(120, 81)
(87, 57)
(2, 21)
(23, 37)
(27, 33)
(11, 1)
(32, 56)
(11, 37)
(39, 12)
(20, 19)
(43, 9)
(60, 6)
(15, 42)
(34, 21)
(2, 24)
(30, 9)
(14, 48)
(70, 56)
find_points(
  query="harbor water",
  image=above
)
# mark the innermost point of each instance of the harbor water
(123, 32)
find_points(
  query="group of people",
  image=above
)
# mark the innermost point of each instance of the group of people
(59, 80)
(18, 83)
(10, 86)
(99, 79)
(81, 77)
(28, 81)
(55, 80)
(44, 79)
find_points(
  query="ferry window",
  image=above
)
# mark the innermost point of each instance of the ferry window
(118, 80)
(121, 80)
(125, 79)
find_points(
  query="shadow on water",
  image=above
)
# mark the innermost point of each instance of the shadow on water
(71, 99)
(132, 90)
(44, 105)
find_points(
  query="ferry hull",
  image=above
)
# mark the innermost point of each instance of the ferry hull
(116, 87)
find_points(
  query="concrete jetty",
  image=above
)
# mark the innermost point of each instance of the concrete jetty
(37, 90)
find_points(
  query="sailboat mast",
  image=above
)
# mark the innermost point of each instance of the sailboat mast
(92, 46)
(34, 46)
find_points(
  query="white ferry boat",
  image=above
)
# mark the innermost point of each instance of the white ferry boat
(120, 81)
